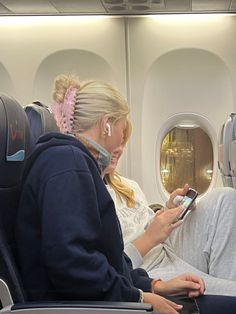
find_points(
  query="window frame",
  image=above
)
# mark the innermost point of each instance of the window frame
(170, 123)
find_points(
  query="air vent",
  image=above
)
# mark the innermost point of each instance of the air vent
(133, 6)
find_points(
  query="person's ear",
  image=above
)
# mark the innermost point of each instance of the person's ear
(106, 124)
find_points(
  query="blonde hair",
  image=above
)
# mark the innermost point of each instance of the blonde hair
(93, 99)
(122, 190)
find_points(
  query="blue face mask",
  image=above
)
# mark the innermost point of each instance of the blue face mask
(104, 156)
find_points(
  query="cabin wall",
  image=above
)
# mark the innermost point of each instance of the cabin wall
(164, 65)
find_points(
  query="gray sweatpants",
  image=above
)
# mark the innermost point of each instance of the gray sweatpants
(205, 244)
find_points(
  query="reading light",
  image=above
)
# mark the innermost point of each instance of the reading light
(187, 125)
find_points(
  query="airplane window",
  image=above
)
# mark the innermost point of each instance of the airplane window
(186, 157)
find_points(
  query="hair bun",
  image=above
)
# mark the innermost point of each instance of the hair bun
(64, 99)
(61, 84)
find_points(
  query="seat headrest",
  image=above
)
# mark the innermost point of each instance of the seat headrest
(226, 151)
(41, 121)
(14, 141)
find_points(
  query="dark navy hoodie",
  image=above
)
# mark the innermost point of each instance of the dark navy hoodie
(69, 242)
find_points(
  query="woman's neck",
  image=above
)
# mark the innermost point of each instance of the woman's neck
(99, 152)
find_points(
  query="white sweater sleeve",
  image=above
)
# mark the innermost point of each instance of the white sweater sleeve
(133, 221)
(134, 255)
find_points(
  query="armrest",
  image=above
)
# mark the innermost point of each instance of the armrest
(63, 307)
(83, 307)
(77, 305)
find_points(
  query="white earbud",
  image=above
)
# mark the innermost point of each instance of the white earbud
(108, 126)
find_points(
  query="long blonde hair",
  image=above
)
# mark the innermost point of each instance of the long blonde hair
(122, 190)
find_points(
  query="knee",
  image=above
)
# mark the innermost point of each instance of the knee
(226, 191)
(226, 197)
(220, 197)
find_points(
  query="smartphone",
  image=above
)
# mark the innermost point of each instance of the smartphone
(187, 202)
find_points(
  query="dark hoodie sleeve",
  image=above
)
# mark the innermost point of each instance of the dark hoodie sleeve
(139, 276)
(71, 223)
(141, 279)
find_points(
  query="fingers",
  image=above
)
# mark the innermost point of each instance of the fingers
(185, 189)
(174, 305)
(177, 193)
(170, 217)
(177, 200)
(194, 294)
(176, 224)
(193, 284)
(171, 214)
(174, 213)
(198, 280)
(182, 191)
(189, 285)
(161, 304)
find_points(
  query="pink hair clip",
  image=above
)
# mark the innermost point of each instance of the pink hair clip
(64, 112)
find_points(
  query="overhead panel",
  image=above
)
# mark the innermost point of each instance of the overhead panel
(29, 6)
(3, 9)
(233, 5)
(81, 6)
(211, 5)
(176, 6)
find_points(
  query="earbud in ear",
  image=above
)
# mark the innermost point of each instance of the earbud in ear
(108, 126)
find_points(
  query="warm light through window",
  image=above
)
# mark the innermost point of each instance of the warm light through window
(186, 157)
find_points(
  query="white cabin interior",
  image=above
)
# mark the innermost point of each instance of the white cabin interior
(174, 61)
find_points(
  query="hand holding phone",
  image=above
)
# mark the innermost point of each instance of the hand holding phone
(187, 202)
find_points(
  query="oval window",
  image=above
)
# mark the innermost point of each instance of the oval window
(186, 157)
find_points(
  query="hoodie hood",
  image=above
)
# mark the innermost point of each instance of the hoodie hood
(54, 139)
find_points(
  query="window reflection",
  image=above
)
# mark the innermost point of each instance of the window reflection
(186, 157)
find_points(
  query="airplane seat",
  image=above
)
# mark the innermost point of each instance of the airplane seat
(14, 149)
(226, 152)
(232, 151)
(156, 206)
(41, 120)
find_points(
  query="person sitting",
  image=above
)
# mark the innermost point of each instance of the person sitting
(203, 243)
(68, 238)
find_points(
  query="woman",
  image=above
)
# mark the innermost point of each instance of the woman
(68, 237)
(196, 246)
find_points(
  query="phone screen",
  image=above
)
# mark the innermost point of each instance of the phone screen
(187, 201)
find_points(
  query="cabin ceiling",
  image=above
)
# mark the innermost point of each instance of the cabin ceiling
(114, 7)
